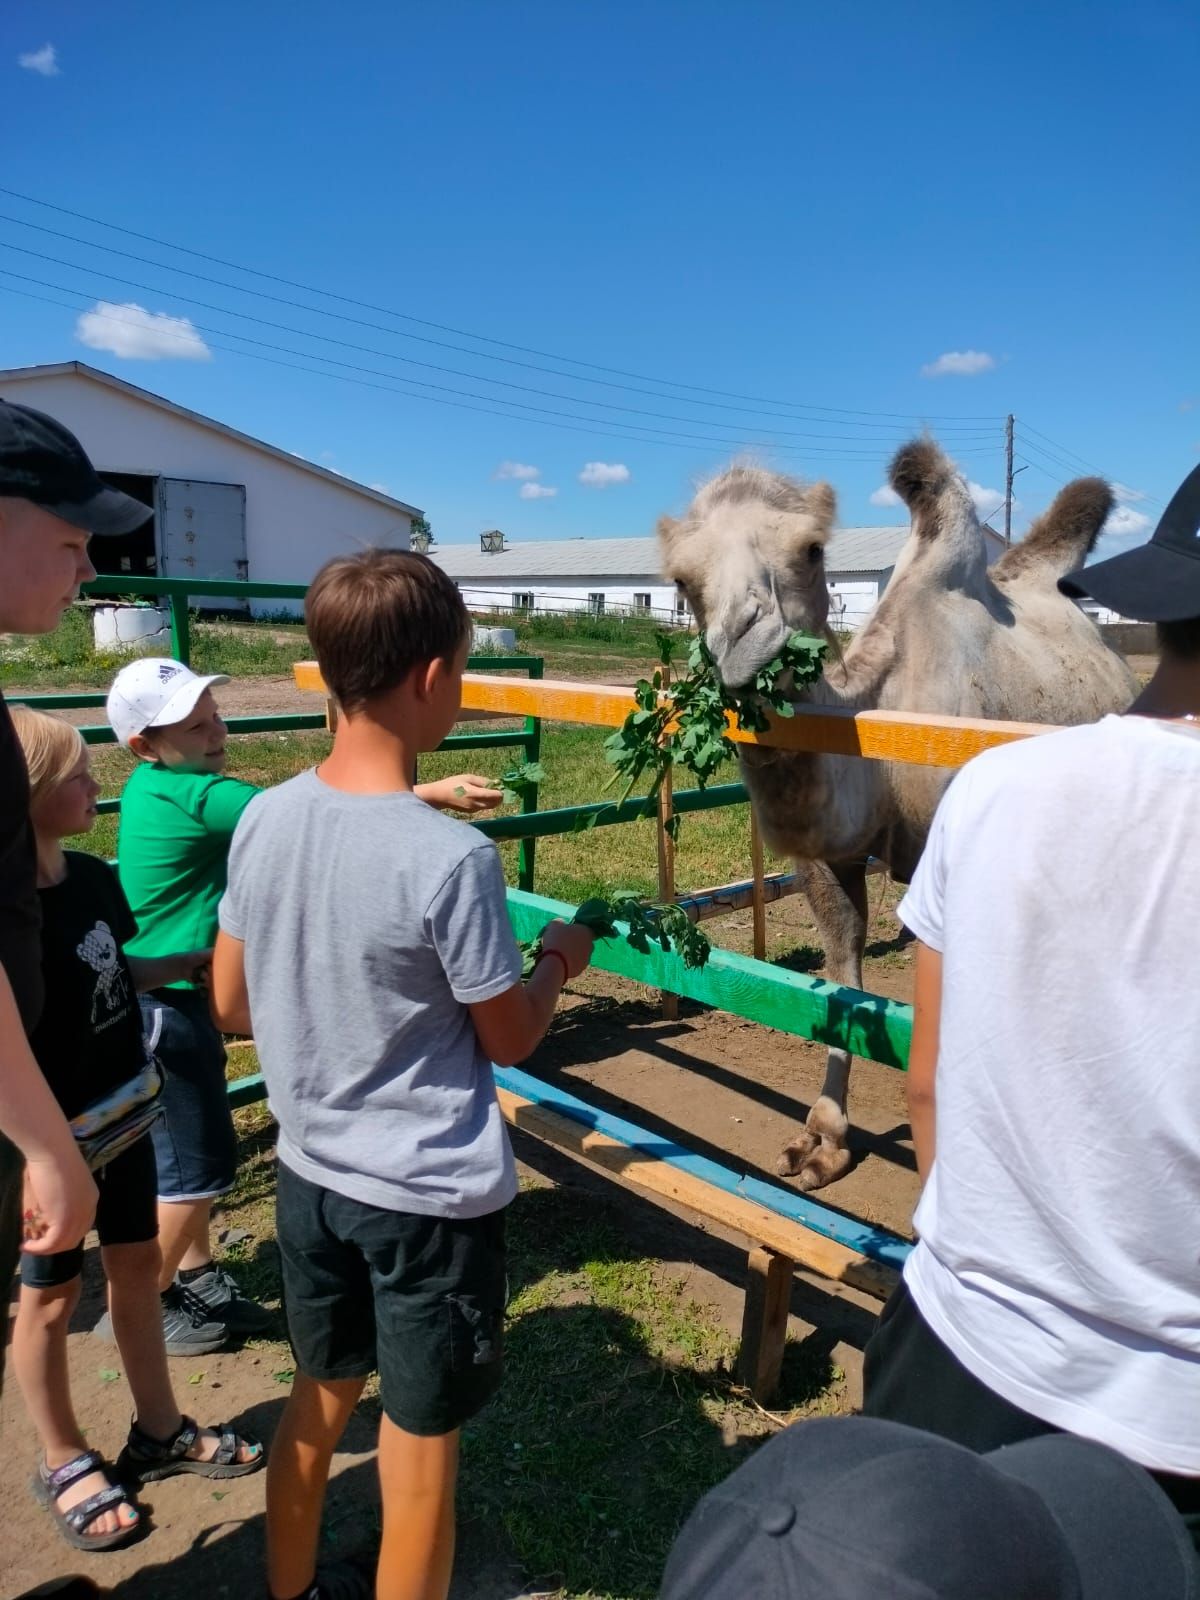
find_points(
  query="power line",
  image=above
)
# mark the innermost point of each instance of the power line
(839, 411)
(302, 333)
(1058, 451)
(392, 387)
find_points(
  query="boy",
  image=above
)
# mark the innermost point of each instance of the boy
(178, 814)
(368, 938)
(52, 501)
(1052, 1079)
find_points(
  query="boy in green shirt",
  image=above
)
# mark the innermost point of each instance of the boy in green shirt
(178, 814)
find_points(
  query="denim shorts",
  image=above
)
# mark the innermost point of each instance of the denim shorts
(126, 1213)
(194, 1141)
(420, 1300)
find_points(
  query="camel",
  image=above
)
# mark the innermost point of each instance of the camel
(950, 635)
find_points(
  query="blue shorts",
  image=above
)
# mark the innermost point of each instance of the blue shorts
(125, 1214)
(194, 1141)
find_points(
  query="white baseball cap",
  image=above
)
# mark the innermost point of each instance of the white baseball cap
(154, 692)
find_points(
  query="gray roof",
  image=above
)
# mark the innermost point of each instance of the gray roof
(81, 369)
(850, 550)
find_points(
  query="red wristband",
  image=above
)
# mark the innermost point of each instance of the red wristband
(557, 956)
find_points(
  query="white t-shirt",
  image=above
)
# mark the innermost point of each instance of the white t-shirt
(1059, 1252)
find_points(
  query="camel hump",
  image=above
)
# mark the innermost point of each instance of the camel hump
(930, 485)
(1062, 537)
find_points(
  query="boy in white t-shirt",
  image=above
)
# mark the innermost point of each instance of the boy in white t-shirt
(1055, 1283)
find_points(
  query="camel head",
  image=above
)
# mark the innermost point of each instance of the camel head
(749, 557)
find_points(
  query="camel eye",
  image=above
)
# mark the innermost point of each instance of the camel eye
(815, 552)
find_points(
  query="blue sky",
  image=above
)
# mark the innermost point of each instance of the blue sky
(807, 207)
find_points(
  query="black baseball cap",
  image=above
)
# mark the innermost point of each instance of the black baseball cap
(855, 1508)
(42, 461)
(1160, 580)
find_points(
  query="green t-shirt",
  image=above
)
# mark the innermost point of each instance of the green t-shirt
(172, 851)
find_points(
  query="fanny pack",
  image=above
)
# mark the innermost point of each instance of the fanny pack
(107, 1128)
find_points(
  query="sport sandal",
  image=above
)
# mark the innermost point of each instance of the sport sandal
(49, 1483)
(148, 1459)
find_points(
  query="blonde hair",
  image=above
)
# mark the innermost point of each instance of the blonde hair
(51, 746)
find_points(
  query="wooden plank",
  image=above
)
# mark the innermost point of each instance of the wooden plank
(922, 739)
(754, 1222)
(792, 1002)
(757, 898)
(764, 1322)
(702, 904)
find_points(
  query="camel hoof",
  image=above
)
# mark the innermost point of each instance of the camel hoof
(796, 1154)
(824, 1166)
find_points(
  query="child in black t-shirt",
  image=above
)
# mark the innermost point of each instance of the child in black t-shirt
(89, 1044)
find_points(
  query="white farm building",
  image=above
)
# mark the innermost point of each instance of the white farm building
(226, 505)
(622, 575)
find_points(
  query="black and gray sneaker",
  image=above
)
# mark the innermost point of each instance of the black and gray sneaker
(215, 1295)
(187, 1329)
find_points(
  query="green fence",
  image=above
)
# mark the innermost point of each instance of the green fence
(178, 592)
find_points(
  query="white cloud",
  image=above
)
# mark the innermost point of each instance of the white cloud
(379, 488)
(44, 61)
(516, 469)
(537, 491)
(885, 495)
(959, 364)
(984, 500)
(139, 335)
(1125, 523)
(1126, 495)
(600, 474)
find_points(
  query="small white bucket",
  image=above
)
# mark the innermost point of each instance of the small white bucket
(119, 628)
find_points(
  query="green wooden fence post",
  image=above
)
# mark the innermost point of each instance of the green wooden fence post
(527, 849)
(181, 629)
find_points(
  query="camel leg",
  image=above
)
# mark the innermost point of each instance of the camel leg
(838, 897)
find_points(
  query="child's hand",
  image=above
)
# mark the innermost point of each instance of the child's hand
(573, 942)
(466, 792)
(195, 967)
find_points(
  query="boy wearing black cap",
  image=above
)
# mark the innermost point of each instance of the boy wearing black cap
(51, 502)
(1052, 1093)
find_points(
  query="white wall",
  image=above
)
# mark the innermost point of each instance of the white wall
(295, 520)
(569, 594)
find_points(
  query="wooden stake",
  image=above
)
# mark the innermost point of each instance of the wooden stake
(758, 900)
(666, 863)
(331, 714)
(764, 1322)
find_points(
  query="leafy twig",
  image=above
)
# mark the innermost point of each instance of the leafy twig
(647, 922)
(687, 724)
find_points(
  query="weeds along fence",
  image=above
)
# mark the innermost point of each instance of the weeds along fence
(177, 593)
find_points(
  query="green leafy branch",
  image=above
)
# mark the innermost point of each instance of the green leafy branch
(517, 782)
(683, 721)
(647, 923)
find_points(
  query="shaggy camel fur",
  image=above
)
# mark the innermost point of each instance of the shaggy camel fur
(950, 635)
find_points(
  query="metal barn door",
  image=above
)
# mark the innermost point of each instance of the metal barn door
(203, 534)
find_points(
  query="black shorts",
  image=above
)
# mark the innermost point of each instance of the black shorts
(126, 1213)
(420, 1300)
(910, 1376)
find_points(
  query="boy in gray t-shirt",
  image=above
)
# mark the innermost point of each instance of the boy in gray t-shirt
(365, 942)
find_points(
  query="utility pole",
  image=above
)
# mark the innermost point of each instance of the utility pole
(1008, 477)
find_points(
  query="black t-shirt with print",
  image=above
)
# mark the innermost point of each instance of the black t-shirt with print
(89, 1040)
(20, 919)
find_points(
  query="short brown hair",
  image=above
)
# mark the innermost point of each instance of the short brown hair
(1180, 639)
(373, 617)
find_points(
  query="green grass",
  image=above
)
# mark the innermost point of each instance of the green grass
(68, 658)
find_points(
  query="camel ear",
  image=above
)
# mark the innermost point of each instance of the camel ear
(666, 530)
(822, 504)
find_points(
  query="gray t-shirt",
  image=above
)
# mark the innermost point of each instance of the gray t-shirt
(370, 923)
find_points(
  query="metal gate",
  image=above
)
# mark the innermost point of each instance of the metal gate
(202, 533)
